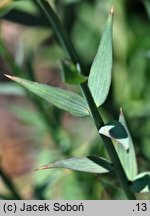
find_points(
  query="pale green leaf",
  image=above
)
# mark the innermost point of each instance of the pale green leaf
(128, 158)
(84, 164)
(101, 70)
(141, 183)
(63, 99)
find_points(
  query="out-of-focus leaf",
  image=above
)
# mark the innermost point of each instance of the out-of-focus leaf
(138, 108)
(22, 12)
(84, 164)
(115, 130)
(100, 74)
(9, 60)
(50, 55)
(26, 6)
(141, 183)
(137, 70)
(24, 18)
(63, 99)
(71, 74)
(147, 6)
(70, 1)
(11, 89)
(128, 158)
(6, 5)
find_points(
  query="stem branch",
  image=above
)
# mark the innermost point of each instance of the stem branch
(60, 32)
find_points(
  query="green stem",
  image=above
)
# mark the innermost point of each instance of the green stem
(67, 44)
(10, 185)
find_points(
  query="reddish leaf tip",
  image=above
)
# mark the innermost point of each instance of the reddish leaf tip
(42, 168)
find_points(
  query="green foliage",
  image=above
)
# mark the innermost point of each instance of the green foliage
(64, 99)
(100, 74)
(115, 130)
(141, 183)
(83, 164)
(130, 90)
(71, 73)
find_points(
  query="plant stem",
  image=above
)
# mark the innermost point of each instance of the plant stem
(10, 185)
(54, 22)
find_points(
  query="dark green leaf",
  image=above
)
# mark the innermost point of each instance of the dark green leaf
(24, 18)
(101, 70)
(71, 74)
(63, 99)
(141, 183)
(83, 164)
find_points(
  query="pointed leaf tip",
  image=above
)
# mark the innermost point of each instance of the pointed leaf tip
(42, 168)
(9, 77)
(112, 10)
(61, 98)
(90, 164)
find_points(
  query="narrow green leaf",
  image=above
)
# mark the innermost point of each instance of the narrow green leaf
(84, 164)
(100, 75)
(63, 99)
(141, 183)
(71, 74)
(128, 158)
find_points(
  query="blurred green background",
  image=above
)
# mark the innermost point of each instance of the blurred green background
(32, 135)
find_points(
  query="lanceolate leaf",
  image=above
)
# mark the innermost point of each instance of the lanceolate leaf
(100, 75)
(141, 183)
(127, 158)
(84, 164)
(63, 99)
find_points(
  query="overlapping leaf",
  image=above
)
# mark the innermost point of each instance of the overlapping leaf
(84, 164)
(100, 74)
(63, 99)
(71, 74)
(128, 158)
